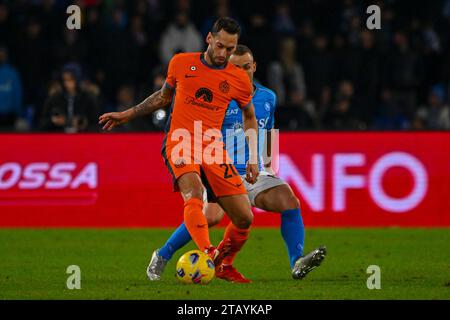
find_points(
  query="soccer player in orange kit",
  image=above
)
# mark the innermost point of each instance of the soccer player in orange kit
(202, 85)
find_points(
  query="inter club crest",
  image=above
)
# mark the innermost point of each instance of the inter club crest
(180, 163)
(224, 86)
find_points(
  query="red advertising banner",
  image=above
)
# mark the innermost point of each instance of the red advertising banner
(119, 180)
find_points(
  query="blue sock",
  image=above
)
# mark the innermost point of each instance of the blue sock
(293, 233)
(177, 240)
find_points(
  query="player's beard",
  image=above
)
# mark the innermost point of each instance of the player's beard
(210, 53)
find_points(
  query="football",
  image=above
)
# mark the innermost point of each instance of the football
(195, 267)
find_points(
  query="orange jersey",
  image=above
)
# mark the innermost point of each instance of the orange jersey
(203, 92)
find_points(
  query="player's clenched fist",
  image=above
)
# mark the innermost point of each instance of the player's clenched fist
(113, 119)
(252, 173)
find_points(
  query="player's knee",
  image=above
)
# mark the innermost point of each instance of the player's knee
(212, 221)
(198, 194)
(193, 193)
(244, 222)
(291, 202)
(191, 187)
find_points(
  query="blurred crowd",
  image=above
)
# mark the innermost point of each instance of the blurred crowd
(328, 70)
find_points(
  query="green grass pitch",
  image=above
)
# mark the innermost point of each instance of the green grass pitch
(415, 264)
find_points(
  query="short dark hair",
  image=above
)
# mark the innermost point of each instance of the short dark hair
(242, 49)
(228, 24)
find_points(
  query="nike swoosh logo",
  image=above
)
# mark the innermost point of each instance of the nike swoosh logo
(189, 76)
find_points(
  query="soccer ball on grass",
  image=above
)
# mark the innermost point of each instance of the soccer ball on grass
(195, 267)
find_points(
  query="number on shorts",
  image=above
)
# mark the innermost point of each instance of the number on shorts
(227, 167)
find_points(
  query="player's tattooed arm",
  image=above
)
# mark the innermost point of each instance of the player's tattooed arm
(159, 99)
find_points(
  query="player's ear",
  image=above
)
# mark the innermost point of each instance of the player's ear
(209, 38)
(254, 66)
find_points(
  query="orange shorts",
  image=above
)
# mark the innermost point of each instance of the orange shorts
(219, 179)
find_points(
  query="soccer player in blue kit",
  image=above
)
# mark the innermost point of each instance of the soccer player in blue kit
(269, 192)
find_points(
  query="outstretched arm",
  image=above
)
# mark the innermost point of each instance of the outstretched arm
(157, 100)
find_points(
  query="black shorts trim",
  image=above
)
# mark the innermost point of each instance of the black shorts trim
(209, 190)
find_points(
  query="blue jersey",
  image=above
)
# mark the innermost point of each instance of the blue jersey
(265, 102)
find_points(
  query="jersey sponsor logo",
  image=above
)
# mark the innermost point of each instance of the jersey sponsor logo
(205, 94)
(224, 86)
(195, 102)
(232, 112)
(237, 126)
(262, 123)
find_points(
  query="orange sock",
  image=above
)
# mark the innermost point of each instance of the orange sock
(196, 223)
(238, 238)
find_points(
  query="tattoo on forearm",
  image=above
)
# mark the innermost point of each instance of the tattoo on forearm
(151, 103)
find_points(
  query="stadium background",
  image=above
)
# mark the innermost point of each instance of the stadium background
(329, 71)
(364, 142)
(342, 75)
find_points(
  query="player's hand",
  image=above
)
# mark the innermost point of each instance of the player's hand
(113, 119)
(252, 173)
